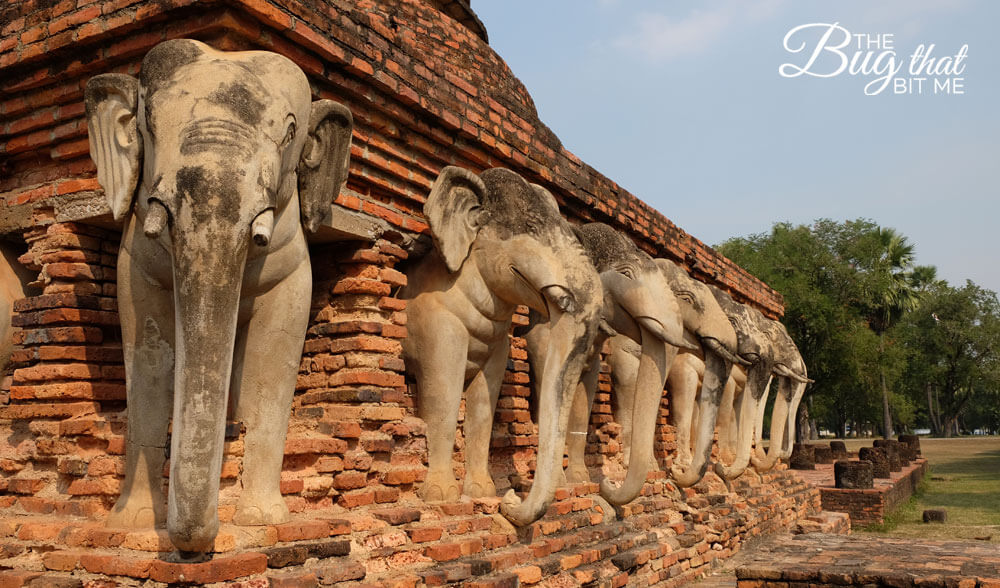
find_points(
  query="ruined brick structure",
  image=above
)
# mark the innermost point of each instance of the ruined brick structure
(426, 91)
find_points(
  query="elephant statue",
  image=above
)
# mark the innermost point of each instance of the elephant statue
(639, 306)
(215, 160)
(499, 242)
(745, 398)
(696, 379)
(13, 277)
(791, 369)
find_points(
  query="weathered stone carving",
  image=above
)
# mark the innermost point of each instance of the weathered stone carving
(639, 305)
(498, 242)
(792, 382)
(13, 278)
(229, 157)
(743, 405)
(707, 325)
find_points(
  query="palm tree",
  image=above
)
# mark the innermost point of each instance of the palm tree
(893, 289)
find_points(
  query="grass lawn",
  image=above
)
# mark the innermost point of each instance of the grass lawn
(964, 480)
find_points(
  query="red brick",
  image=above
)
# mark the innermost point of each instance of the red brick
(216, 570)
(444, 551)
(425, 534)
(62, 561)
(299, 531)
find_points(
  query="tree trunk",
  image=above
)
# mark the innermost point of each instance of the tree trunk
(931, 413)
(887, 431)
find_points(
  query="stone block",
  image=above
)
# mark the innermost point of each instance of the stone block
(855, 475)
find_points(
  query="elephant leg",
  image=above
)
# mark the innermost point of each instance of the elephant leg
(436, 352)
(682, 380)
(146, 313)
(579, 424)
(480, 405)
(265, 366)
(728, 422)
(624, 370)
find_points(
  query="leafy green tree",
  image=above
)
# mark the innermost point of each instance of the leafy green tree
(953, 338)
(813, 269)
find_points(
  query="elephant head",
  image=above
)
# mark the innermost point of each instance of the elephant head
(707, 325)
(639, 306)
(221, 157)
(754, 345)
(499, 242)
(793, 379)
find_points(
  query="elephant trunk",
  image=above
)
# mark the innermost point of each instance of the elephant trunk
(565, 355)
(652, 374)
(717, 370)
(793, 412)
(754, 395)
(208, 270)
(779, 424)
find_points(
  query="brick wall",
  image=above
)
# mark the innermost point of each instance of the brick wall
(425, 92)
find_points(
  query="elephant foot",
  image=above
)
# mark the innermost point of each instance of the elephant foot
(261, 512)
(134, 514)
(480, 486)
(577, 474)
(441, 488)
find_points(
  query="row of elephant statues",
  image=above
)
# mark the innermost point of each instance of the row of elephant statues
(501, 242)
(219, 163)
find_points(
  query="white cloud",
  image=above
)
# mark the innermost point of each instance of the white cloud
(658, 37)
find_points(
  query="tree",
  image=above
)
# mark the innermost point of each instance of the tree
(812, 268)
(954, 342)
(889, 292)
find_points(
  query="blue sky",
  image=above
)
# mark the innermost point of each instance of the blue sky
(682, 104)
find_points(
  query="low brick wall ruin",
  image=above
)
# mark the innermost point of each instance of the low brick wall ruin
(867, 506)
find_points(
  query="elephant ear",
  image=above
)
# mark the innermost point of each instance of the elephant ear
(452, 210)
(115, 143)
(546, 196)
(324, 162)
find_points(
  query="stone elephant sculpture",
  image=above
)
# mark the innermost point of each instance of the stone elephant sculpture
(637, 303)
(745, 397)
(499, 242)
(215, 160)
(13, 280)
(793, 379)
(696, 379)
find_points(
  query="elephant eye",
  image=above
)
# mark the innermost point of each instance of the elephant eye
(627, 272)
(685, 296)
(289, 133)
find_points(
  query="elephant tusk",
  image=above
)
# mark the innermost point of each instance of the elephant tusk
(720, 350)
(784, 371)
(656, 328)
(156, 219)
(561, 297)
(261, 227)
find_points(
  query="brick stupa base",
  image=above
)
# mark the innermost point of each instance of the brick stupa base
(666, 537)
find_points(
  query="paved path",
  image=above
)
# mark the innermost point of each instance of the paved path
(838, 559)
